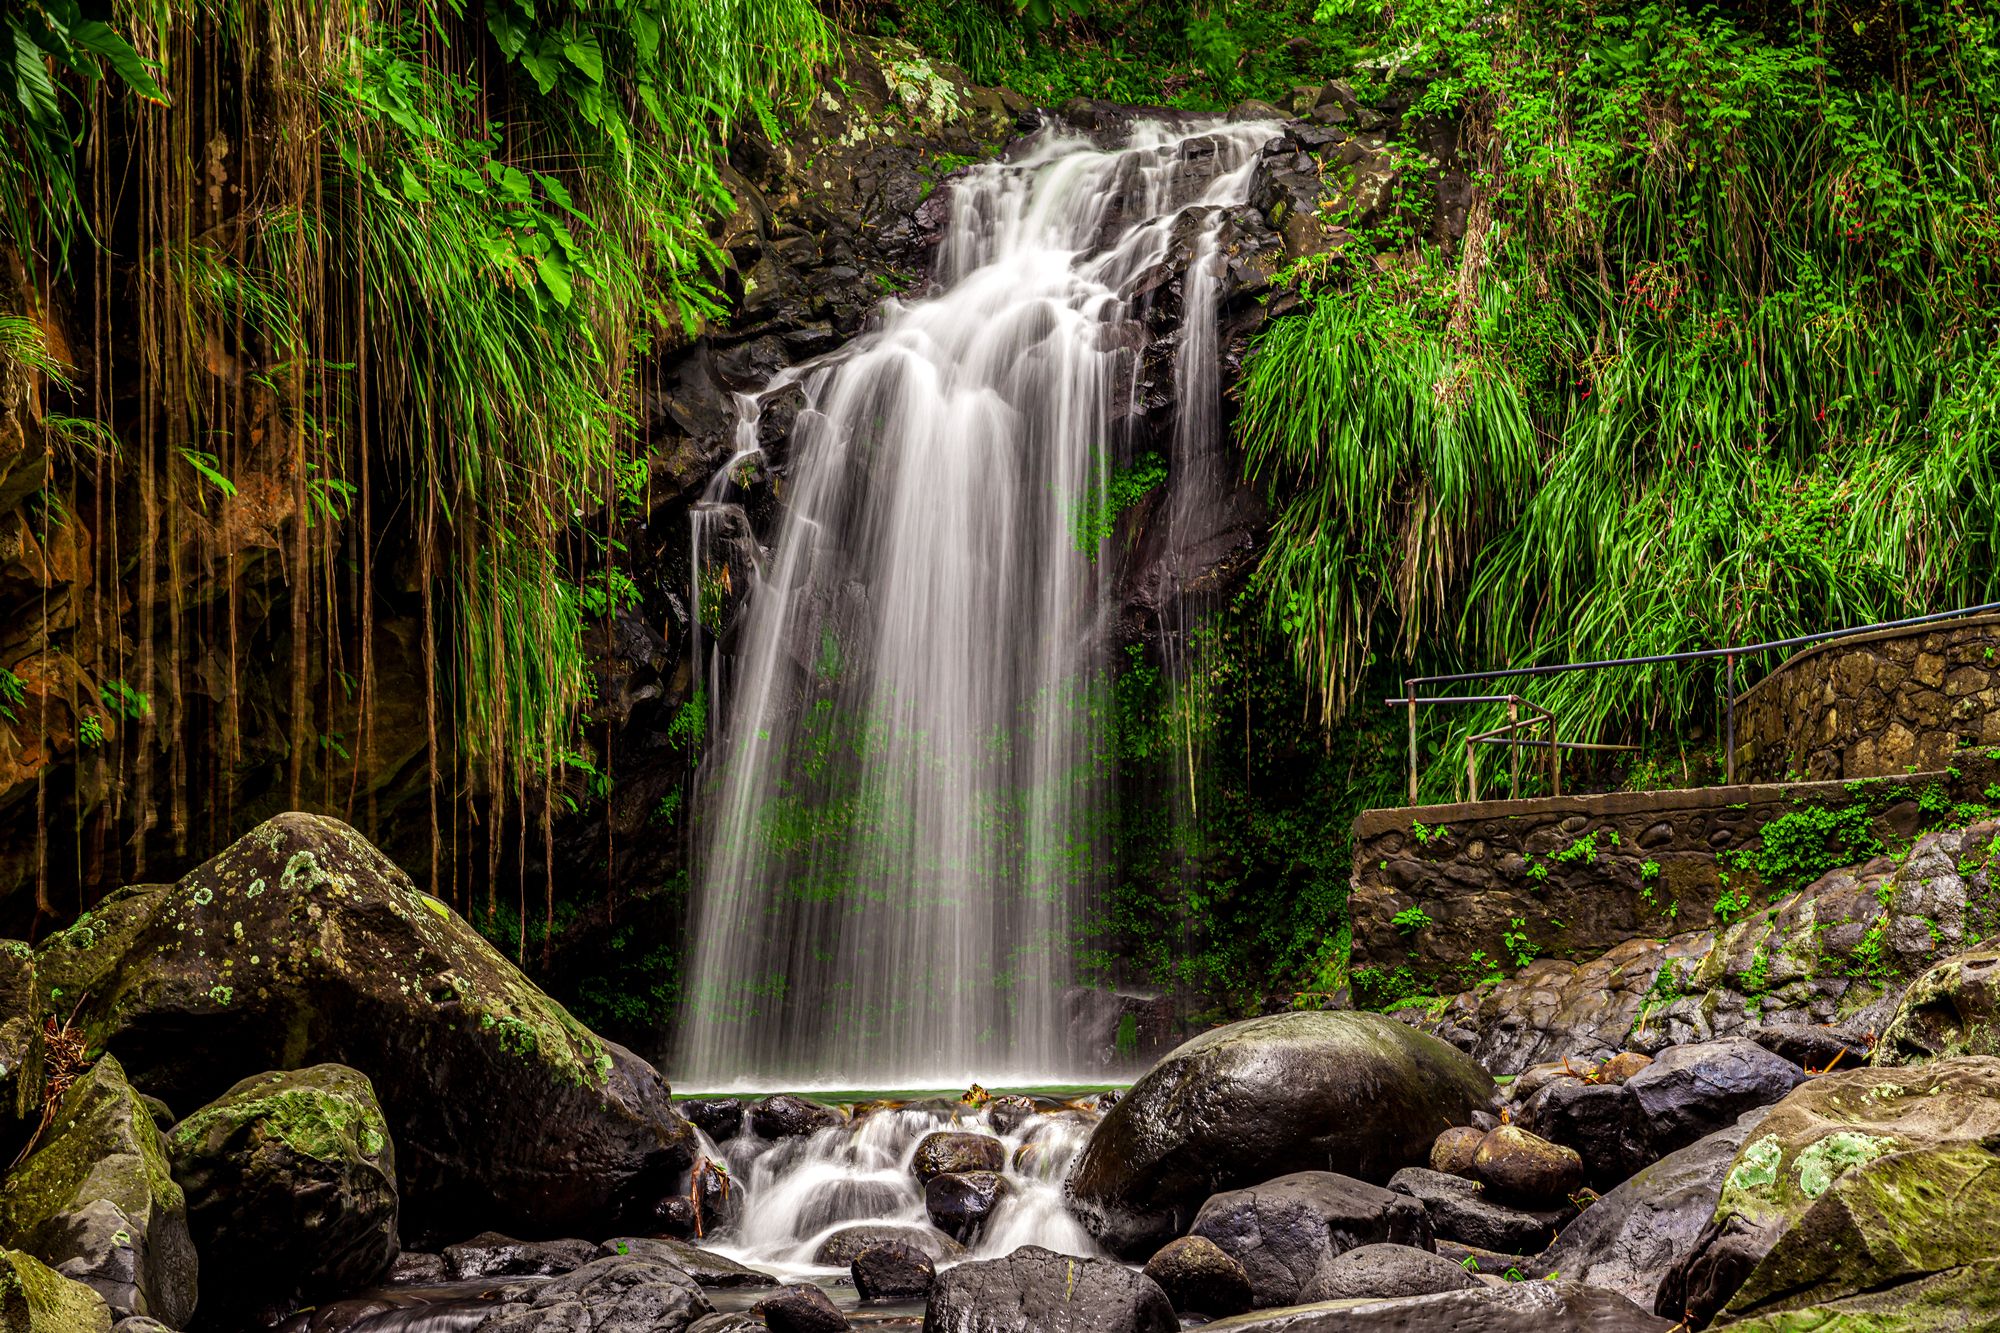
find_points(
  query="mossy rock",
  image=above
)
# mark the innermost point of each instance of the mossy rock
(1952, 1009)
(1948, 1302)
(36, 1299)
(1856, 1182)
(97, 1201)
(291, 1186)
(301, 944)
(22, 1073)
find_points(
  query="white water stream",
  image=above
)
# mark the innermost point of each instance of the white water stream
(904, 812)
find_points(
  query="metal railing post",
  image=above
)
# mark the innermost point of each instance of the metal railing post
(1729, 719)
(1411, 696)
(1513, 732)
(1471, 772)
(1555, 760)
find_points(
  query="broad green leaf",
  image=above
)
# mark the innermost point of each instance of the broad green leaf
(100, 40)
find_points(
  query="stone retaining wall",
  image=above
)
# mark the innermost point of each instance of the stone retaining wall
(1873, 705)
(1446, 896)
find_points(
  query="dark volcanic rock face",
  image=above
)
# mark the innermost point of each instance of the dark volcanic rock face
(1361, 1093)
(1034, 1289)
(1285, 1230)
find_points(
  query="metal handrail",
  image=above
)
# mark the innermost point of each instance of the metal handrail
(1410, 700)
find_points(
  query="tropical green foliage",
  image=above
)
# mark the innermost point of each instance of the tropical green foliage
(1714, 366)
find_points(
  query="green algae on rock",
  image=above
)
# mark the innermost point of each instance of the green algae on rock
(302, 944)
(36, 1299)
(1952, 1009)
(1857, 1182)
(291, 1186)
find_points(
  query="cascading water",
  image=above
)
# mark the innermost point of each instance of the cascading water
(904, 815)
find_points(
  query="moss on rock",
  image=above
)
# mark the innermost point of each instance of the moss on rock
(36, 1299)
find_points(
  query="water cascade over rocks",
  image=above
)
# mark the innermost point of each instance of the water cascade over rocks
(905, 805)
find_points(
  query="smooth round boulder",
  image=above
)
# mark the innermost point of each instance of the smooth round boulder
(1381, 1271)
(843, 1246)
(302, 944)
(291, 1189)
(1036, 1289)
(1525, 1169)
(1603, 1122)
(1199, 1278)
(706, 1267)
(1284, 1230)
(892, 1272)
(788, 1117)
(1619, 1068)
(96, 1201)
(1953, 1009)
(1455, 1148)
(801, 1308)
(1356, 1093)
(951, 1152)
(960, 1204)
(621, 1294)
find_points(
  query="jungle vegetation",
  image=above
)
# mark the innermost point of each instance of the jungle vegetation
(1714, 361)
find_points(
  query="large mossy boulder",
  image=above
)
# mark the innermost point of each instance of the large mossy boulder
(1952, 1009)
(36, 1299)
(97, 1202)
(291, 1186)
(302, 944)
(1857, 1182)
(1353, 1093)
(1511, 1307)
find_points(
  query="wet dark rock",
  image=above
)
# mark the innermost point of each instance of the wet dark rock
(1628, 1239)
(786, 1116)
(491, 1254)
(1283, 1230)
(1035, 1289)
(706, 1267)
(415, 1268)
(721, 1118)
(728, 1322)
(1526, 1170)
(801, 1308)
(96, 1201)
(1603, 1122)
(1689, 1092)
(672, 1216)
(1199, 1278)
(1455, 1148)
(616, 1295)
(843, 1246)
(506, 1112)
(949, 1152)
(1459, 1210)
(1511, 1307)
(1379, 1271)
(291, 1189)
(1010, 1111)
(1254, 1100)
(960, 1204)
(892, 1272)
(1812, 1046)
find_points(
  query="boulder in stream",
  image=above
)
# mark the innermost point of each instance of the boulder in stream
(956, 1152)
(892, 1272)
(1199, 1278)
(1356, 1093)
(960, 1204)
(1036, 1289)
(1284, 1230)
(1379, 1271)
(1510, 1307)
(291, 1189)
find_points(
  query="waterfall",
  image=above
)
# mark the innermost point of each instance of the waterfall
(902, 819)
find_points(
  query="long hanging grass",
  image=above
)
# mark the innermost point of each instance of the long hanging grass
(1727, 374)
